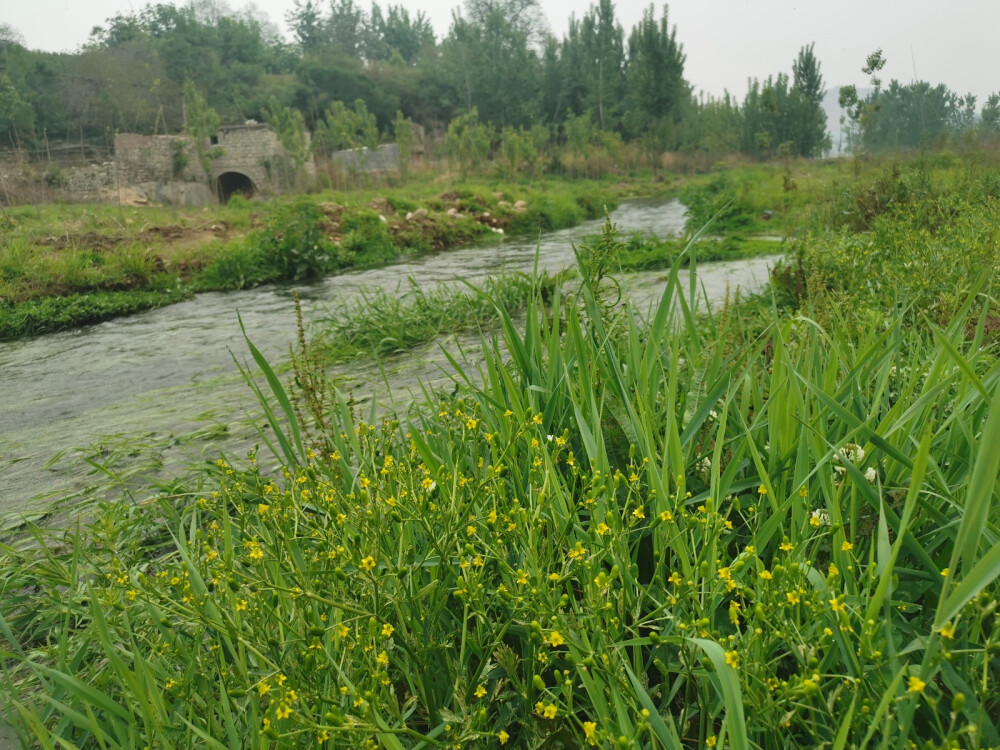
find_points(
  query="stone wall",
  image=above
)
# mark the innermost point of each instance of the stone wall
(149, 163)
(384, 158)
(156, 158)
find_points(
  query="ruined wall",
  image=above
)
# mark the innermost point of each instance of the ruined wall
(254, 150)
(149, 163)
(383, 158)
(156, 158)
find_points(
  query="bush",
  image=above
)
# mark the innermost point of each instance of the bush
(294, 241)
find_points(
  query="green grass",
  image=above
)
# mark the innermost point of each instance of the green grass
(770, 525)
(386, 322)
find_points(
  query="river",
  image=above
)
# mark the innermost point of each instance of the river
(158, 390)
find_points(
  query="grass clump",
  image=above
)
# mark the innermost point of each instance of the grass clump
(383, 322)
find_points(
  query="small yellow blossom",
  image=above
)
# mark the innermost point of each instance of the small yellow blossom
(846, 547)
(556, 639)
(944, 573)
(387, 630)
(368, 563)
(284, 711)
(503, 736)
(638, 513)
(241, 605)
(786, 546)
(793, 597)
(732, 659)
(602, 529)
(382, 659)
(590, 732)
(675, 578)
(480, 691)
(916, 685)
(766, 575)
(762, 490)
(948, 631)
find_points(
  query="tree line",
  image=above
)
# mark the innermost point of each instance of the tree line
(498, 80)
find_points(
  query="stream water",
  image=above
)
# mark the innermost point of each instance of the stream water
(161, 389)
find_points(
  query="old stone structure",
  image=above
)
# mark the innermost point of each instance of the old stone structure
(247, 159)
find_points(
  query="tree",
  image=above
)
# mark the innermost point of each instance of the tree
(657, 91)
(468, 141)
(290, 127)
(396, 32)
(306, 23)
(403, 130)
(201, 123)
(809, 119)
(989, 117)
(491, 63)
(15, 113)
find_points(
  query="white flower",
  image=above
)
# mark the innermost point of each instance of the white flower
(550, 438)
(822, 517)
(871, 475)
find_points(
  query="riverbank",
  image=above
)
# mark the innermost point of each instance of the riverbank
(65, 266)
(770, 524)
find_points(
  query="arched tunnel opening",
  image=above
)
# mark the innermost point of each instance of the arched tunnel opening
(234, 183)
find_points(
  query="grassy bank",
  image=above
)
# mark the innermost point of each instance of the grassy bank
(64, 266)
(772, 526)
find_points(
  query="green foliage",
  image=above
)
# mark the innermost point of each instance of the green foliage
(178, 159)
(294, 241)
(778, 111)
(657, 90)
(402, 129)
(384, 322)
(290, 127)
(38, 316)
(344, 128)
(468, 141)
(202, 123)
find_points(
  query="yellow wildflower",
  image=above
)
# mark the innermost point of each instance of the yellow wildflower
(916, 685)
(503, 736)
(368, 563)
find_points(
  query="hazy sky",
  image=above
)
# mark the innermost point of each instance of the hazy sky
(946, 41)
